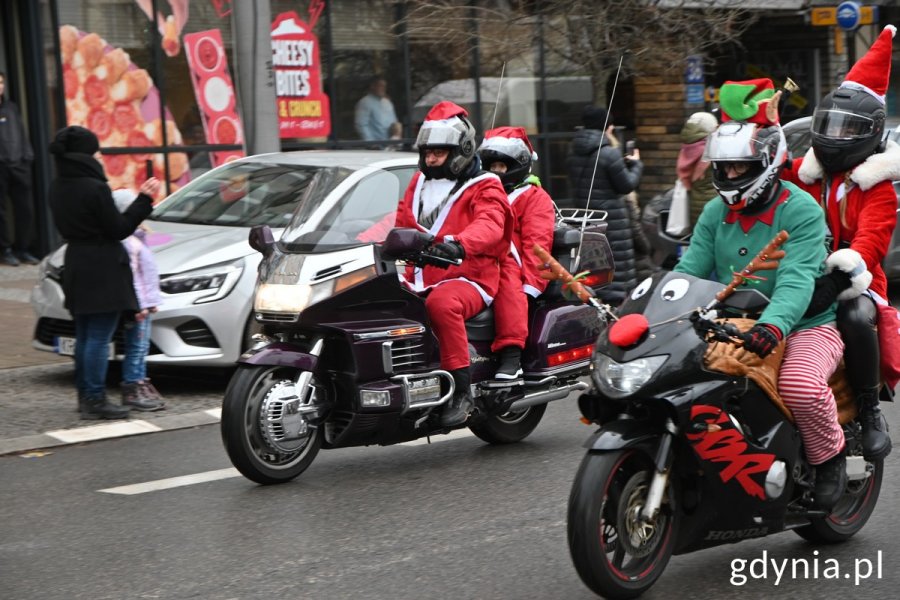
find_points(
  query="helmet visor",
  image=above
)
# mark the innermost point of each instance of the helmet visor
(510, 148)
(842, 125)
(440, 133)
(736, 141)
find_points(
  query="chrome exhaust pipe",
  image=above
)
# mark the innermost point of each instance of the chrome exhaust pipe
(545, 396)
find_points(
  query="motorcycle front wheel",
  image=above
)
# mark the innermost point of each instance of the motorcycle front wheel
(616, 554)
(264, 442)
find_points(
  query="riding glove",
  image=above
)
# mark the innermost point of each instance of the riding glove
(762, 339)
(448, 250)
(827, 288)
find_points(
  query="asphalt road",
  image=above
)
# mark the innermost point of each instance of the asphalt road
(454, 519)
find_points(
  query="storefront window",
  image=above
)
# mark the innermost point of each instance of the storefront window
(127, 76)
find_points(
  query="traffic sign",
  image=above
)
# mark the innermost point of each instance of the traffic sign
(848, 15)
(827, 15)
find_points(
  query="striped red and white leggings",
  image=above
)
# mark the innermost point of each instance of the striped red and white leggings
(810, 358)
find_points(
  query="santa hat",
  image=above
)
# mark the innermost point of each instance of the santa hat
(445, 110)
(748, 101)
(505, 138)
(872, 72)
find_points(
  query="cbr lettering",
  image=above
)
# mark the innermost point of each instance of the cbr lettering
(728, 446)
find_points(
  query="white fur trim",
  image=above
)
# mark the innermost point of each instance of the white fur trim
(855, 85)
(883, 166)
(849, 261)
(810, 169)
(893, 29)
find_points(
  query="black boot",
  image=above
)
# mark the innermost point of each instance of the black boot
(96, 408)
(510, 364)
(457, 410)
(831, 481)
(876, 443)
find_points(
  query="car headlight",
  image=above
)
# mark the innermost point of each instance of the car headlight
(294, 298)
(218, 280)
(616, 379)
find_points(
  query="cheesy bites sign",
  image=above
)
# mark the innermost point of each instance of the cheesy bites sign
(303, 109)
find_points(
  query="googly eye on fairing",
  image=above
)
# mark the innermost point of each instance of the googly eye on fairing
(642, 288)
(674, 289)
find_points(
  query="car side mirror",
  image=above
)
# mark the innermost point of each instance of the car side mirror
(261, 239)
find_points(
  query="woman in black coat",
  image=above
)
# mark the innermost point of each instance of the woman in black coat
(615, 178)
(97, 278)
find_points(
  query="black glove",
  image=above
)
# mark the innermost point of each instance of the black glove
(448, 250)
(826, 291)
(762, 339)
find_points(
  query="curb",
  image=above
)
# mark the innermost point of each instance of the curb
(105, 431)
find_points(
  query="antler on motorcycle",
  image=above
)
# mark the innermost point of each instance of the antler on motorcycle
(766, 260)
(553, 271)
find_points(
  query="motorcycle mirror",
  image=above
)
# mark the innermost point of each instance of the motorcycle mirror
(404, 240)
(261, 239)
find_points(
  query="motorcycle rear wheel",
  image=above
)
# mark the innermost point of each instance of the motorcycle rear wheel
(616, 555)
(510, 427)
(850, 514)
(242, 434)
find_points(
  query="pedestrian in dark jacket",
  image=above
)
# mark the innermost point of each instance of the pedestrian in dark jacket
(15, 180)
(97, 279)
(615, 177)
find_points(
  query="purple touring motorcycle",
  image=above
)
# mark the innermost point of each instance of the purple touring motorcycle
(347, 356)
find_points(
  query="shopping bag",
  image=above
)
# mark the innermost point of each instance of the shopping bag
(679, 223)
(889, 343)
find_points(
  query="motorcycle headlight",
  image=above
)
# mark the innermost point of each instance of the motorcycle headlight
(616, 379)
(217, 280)
(294, 298)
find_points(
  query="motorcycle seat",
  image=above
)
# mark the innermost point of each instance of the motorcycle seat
(480, 328)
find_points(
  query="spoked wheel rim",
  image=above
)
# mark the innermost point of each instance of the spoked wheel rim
(262, 438)
(629, 545)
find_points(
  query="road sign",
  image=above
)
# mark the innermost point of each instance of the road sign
(848, 15)
(827, 15)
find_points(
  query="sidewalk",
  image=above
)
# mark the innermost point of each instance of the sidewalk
(37, 392)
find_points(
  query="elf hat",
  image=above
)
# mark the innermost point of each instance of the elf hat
(872, 72)
(511, 141)
(748, 101)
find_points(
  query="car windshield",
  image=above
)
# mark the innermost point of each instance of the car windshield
(245, 194)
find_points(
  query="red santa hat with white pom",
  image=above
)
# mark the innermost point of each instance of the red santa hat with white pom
(872, 72)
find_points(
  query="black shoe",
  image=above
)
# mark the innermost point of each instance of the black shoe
(26, 257)
(831, 481)
(510, 363)
(9, 259)
(94, 409)
(458, 408)
(876, 443)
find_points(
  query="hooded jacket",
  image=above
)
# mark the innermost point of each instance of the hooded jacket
(614, 179)
(693, 171)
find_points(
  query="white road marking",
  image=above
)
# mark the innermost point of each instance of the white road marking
(172, 482)
(184, 480)
(215, 413)
(100, 432)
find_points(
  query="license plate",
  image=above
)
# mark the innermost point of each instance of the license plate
(66, 347)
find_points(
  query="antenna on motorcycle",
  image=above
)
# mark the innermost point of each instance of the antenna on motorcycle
(587, 204)
(499, 90)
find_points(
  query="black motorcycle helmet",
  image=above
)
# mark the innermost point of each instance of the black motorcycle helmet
(847, 127)
(500, 145)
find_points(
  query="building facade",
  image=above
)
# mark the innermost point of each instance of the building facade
(157, 79)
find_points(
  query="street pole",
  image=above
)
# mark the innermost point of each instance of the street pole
(251, 26)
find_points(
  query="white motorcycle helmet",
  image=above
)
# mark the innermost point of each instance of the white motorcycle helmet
(764, 149)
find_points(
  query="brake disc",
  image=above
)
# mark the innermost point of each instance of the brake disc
(284, 426)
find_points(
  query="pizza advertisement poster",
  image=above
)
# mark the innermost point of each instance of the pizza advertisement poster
(117, 100)
(215, 93)
(303, 108)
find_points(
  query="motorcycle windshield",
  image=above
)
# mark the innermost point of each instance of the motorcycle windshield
(669, 295)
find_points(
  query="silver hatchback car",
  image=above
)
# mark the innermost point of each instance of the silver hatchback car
(199, 239)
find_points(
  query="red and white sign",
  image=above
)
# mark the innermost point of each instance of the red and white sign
(303, 109)
(215, 93)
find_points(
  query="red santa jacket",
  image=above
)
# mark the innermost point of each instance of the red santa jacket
(861, 212)
(533, 222)
(478, 217)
